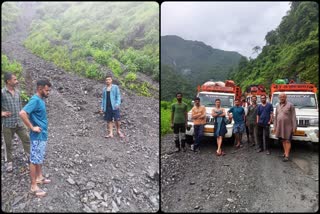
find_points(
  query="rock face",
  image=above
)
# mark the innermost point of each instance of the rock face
(89, 173)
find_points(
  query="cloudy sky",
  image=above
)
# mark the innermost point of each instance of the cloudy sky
(231, 26)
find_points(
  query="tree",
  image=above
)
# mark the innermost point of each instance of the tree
(256, 49)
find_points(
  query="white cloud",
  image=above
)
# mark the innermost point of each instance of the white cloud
(232, 26)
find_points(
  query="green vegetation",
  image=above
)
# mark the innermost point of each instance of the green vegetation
(166, 114)
(10, 12)
(171, 83)
(291, 50)
(15, 68)
(82, 37)
(196, 60)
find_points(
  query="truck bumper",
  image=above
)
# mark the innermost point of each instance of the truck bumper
(208, 130)
(308, 134)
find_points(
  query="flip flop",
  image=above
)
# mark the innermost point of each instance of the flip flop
(109, 136)
(43, 181)
(9, 167)
(38, 193)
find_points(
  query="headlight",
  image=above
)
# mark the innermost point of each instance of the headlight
(314, 122)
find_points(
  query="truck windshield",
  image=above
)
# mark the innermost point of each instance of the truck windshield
(208, 100)
(298, 100)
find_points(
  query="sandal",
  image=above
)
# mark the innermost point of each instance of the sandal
(39, 192)
(109, 136)
(222, 153)
(43, 181)
(218, 153)
(9, 167)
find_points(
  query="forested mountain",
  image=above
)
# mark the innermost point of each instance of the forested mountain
(193, 61)
(171, 83)
(291, 50)
(9, 15)
(196, 58)
(95, 38)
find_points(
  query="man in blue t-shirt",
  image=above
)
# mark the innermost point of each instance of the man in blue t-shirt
(34, 117)
(264, 119)
(239, 126)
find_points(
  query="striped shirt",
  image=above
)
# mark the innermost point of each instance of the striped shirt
(13, 104)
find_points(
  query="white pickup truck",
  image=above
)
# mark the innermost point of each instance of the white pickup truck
(226, 93)
(307, 110)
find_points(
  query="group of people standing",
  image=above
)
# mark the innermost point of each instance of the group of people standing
(15, 119)
(252, 118)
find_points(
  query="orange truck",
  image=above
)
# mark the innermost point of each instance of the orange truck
(208, 92)
(304, 98)
(257, 90)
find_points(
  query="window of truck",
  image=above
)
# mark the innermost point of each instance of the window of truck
(298, 100)
(208, 100)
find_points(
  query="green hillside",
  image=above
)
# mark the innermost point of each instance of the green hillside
(291, 50)
(171, 83)
(10, 13)
(196, 60)
(94, 38)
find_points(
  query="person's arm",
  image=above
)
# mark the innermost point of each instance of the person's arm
(193, 114)
(24, 116)
(294, 119)
(223, 112)
(271, 115)
(172, 115)
(103, 100)
(213, 113)
(204, 113)
(258, 115)
(118, 97)
(186, 116)
(4, 113)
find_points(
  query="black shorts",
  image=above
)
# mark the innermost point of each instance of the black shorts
(112, 114)
(179, 127)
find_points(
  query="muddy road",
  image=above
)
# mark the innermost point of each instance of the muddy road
(89, 173)
(241, 181)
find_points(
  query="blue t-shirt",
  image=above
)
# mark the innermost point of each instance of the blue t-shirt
(36, 110)
(237, 114)
(264, 113)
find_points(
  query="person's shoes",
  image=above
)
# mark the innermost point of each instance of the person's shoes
(252, 144)
(43, 181)
(260, 150)
(268, 152)
(192, 147)
(285, 159)
(9, 167)
(177, 150)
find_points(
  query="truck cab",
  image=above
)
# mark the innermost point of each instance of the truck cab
(304, 98)
(208, 93)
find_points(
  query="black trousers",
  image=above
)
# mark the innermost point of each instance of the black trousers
(179, 128)
(264, 129)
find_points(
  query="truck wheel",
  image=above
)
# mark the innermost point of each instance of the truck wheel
(189, 139)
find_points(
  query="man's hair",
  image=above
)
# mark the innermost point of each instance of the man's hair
(217, 100)
(197, 98)
(178, 93)
(254, 96)
(7, 76)
(43, 83)
(108, 76)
